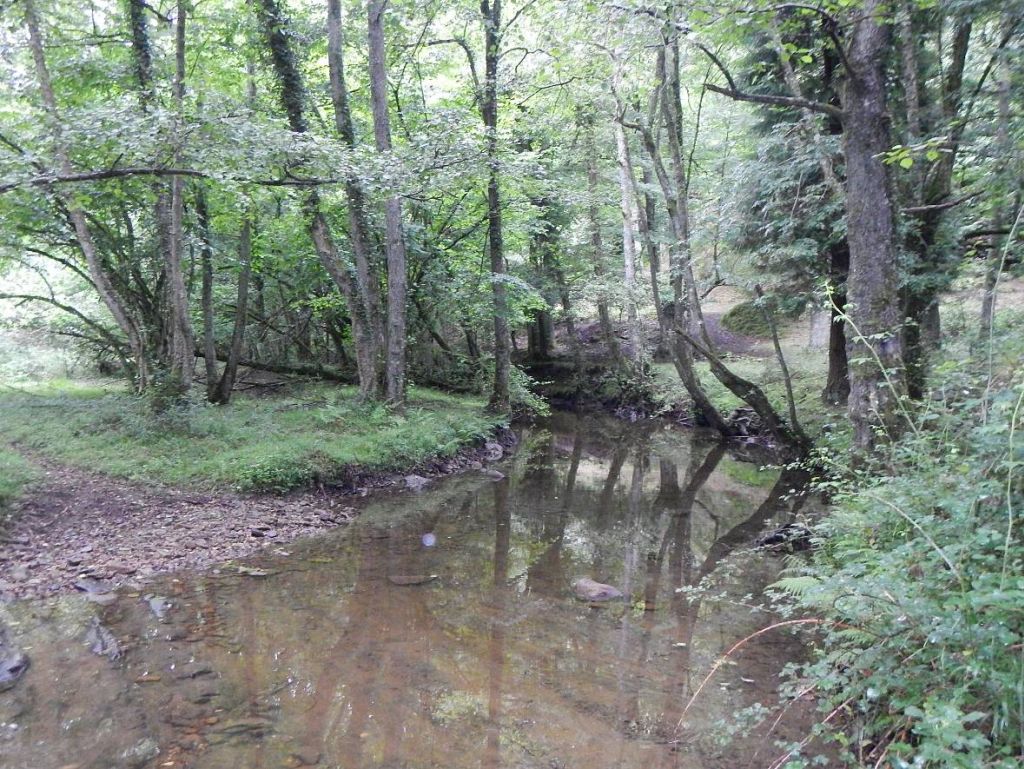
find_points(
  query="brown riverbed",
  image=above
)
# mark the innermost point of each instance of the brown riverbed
(309, 654)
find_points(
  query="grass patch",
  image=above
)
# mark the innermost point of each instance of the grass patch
(315, 433)
(15, 473)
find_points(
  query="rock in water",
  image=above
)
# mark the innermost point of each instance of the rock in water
(416, 482)
(587, 589)
(101, 641)
(13, 662)
(411, 579)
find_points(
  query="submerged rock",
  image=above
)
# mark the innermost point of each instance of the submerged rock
(587, 589)
(411, 579)
(13, 662)
(101, 641)
(140, 754)
(158, 605)
(416, 482)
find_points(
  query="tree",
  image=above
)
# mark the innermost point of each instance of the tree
(394, 246)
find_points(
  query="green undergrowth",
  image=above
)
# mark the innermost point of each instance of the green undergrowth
(919, 578)
(15, 473)
(316, 433)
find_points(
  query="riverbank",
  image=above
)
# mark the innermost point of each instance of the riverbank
(106, 498)
(292, 436)
(74, 529)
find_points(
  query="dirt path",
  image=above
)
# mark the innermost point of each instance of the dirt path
(80, 530)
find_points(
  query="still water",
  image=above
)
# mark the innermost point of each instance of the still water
(313, 656)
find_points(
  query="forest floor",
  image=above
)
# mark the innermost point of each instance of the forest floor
(103, 496)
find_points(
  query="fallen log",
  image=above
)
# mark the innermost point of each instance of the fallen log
(317, 371)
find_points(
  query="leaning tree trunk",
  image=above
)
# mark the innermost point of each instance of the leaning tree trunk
(500, 401)
(394, 245)
(875, 347)
(83, 236)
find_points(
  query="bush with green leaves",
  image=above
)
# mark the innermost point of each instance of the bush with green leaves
(919, 579)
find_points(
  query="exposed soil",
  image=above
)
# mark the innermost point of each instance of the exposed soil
(80, 530)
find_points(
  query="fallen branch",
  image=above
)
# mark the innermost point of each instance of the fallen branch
(742, 642)
(329, 373)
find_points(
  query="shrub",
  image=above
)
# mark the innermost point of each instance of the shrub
(920, 575)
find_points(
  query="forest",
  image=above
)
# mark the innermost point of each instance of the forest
(414, 323)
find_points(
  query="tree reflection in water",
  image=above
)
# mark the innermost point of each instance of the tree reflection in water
(492, 664)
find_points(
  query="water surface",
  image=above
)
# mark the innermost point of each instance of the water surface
(313, 657)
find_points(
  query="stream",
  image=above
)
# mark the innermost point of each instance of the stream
(321, 653)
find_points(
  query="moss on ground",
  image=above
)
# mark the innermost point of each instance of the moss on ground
(256, 443)
(748, 318)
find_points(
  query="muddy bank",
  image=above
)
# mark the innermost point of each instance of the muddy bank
(77, 530)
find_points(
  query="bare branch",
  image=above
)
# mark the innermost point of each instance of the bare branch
(941, 206)
(47, 180)
(781, 101)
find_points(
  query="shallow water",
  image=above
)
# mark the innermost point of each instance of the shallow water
(313, 657)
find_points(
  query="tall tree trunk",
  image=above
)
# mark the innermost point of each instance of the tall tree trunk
(83, 236)
(500, 401)
(837, 384)
(227, 379)
(647, 229)
(682, 354)
(394, 245)
(209, 341)
(875, 351)
(367, 268)
(293, 97)
(182, 353)
(837, 387)
(1001, 217)
(543, 255)
(627, 199)
(921, 332)
(596, 240)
